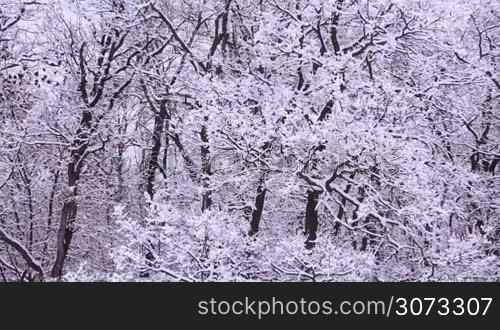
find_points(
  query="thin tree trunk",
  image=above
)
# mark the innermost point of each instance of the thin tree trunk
(206, 169)
(342, 212)
(311, 220)
(50, 214)
(165, 152)
(259, 198)
(153, 164)
(259, 207)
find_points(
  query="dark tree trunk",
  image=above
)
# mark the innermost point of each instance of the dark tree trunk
(257, 211)
(260, 197)
(333, 30)
(65, 233)
(153, 164)
(311, 220)
(206, 169)
(165, 152)
(70, 206)
(160, 116)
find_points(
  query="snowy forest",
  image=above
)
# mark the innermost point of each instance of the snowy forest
(249, 140)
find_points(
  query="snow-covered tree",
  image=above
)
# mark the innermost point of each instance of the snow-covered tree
(245, 140)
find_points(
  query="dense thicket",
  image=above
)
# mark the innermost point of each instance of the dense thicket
(249, 140)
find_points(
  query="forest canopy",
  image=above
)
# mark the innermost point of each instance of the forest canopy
(249, 140)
